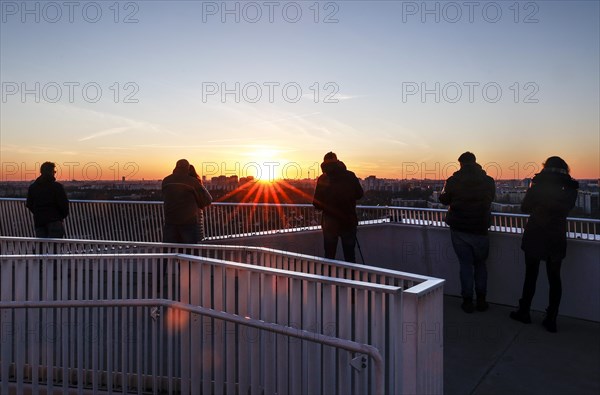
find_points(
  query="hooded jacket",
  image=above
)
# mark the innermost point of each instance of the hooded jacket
(336, 194)
(550, 197)
(47, 200)
(469, 192)
(181, 198)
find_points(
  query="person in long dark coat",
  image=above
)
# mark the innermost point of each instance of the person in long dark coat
(336, 194)
(181, 201)
(550, 197)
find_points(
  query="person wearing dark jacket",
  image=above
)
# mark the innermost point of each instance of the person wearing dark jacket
(48, 202)
(550, 197)
(336, 194)
(181, 202)
(470, 192)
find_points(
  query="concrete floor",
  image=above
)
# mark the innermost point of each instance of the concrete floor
(488, 353)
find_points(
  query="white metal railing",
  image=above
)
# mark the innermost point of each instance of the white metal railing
(142, 221)
(191, 385)
(218, 357)
(422, 302)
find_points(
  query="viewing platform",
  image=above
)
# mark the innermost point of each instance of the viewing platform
(427, 344)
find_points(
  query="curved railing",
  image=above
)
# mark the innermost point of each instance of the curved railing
(196, 353)
(142, 221)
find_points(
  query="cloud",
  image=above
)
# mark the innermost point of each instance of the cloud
(120, 124)
(107, 132)
(329, 97)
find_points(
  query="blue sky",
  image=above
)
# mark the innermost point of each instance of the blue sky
(542, 56)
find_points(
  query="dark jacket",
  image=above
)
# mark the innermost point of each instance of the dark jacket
(469, 192)
(550, 197)
(336, 194)
(47, 200)
(181, 198)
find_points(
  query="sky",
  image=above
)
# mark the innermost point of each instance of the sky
(398, 89)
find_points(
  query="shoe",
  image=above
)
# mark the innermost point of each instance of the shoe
(467, 306)
(521, 316)
(482, 305)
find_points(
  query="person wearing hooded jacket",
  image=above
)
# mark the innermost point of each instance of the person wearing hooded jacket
(550, 197)
(470, 192)
(48, 202)
(181, 202)
(336, 194)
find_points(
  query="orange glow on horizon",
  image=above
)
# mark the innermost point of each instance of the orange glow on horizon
(69, 169)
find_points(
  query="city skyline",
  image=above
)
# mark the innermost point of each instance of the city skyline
(397, 89)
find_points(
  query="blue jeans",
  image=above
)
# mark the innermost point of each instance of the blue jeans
(472, 250)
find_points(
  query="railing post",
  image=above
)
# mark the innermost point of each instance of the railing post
(410, 338)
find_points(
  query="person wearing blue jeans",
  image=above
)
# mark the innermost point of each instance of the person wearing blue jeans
(336, 194)
(470, 192)
(472, 250)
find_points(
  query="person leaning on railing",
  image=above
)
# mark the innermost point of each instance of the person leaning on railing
(48, 202)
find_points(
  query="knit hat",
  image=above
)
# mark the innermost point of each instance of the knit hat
(182, 164)
(467, 157)
(330, 157)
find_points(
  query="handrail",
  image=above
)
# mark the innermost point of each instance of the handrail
(348, 345)
(142, 220)
(243, 204)
(418, 278)
(389, 289)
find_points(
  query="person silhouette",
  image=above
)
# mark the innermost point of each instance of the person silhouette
(181, 201)
(336, 193)
(48, 202)
(551, 195)
(470, 192)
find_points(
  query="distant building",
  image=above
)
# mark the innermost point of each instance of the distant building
(409, 203)
(505, 208)
(223, 183)
(511, 196)
(587, 201)
(436, 205)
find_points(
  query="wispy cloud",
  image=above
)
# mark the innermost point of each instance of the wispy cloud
(329, 97)
(18, 149)
(120, 124)
(107, 132)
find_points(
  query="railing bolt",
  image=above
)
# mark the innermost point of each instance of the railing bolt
(154, 312)
(359, 363)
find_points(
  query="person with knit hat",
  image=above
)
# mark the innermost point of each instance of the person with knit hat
(48, 202)
(336, 194)
(470, 192)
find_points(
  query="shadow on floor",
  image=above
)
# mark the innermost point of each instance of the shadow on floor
(488, 353)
